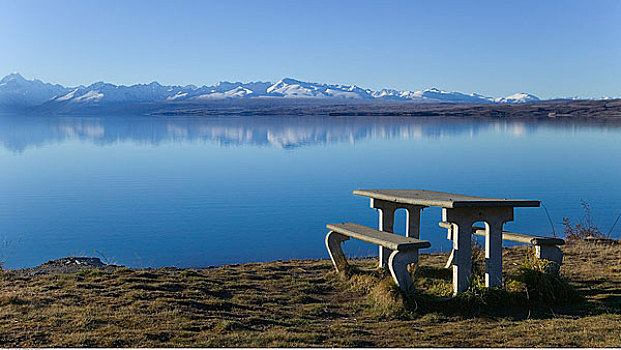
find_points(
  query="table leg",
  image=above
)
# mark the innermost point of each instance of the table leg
(493, 253)
(463, 218)
(462, 247)
(413, 226)
(495, 219)
(462, 256)
(386, 224)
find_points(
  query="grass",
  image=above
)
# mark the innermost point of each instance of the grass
(302, 303)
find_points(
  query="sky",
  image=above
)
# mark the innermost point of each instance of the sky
(496, 48)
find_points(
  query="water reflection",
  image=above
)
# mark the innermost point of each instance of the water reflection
(18, 133)
(199, 186)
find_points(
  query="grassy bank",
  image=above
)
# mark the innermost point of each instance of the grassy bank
(304, 303)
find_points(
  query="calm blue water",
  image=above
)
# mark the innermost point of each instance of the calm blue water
(153, 191)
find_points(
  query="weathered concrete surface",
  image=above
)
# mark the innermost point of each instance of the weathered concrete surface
(545, 247)
(387, 220)
(522, 237)
(461, 212)
(398, 266)
(385, 239)
(511, 236)
(551, 253)
(386, 211)
(404, 250)
(461, 221)
(333, 243)
(443, 199)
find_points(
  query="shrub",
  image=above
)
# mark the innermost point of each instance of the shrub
(583, 229)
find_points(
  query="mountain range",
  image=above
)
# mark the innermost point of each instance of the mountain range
(17, 92)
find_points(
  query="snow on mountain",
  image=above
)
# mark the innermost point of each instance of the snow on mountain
(259, 87)
(292, 88)
(66, 97)
(237, 92)
(391, 94)
(15, 90)
(431, 95)
(448, 96)
(91, 96)
(101, 92)
(521, 97)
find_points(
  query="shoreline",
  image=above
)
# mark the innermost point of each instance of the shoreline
(75, 264)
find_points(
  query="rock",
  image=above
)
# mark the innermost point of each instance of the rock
(67, 265)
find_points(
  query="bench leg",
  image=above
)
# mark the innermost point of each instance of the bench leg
(333, 243)
(449, 261)
(398, 265)
(551, 253)
(449, 236)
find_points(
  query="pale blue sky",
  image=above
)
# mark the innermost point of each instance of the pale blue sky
(549, 48)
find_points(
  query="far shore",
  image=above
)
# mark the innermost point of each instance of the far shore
(553, 110)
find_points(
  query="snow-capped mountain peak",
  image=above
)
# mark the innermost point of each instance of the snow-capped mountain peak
(520, 97)
(13, 77)
(15, 90)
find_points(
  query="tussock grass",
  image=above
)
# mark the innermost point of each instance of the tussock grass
(542, 287)
(528, 287)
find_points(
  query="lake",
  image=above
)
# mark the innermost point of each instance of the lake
(146, 191)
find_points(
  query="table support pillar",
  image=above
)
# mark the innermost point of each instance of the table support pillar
(462, 220)
(386, 224)
(413, 224)
(493, 245)
(462, 247)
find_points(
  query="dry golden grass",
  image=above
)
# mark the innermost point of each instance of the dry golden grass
(303, 303)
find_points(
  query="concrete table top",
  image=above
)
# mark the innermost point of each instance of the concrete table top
(443, 199)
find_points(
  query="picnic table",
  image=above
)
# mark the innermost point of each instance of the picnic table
(459, 212)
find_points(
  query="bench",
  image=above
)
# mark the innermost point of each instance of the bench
(545, 247)
(404, 249)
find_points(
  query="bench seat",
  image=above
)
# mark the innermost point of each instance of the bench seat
(545, 247)
(404, 249)
(522, 237)
(514, 236)
(385, 239)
